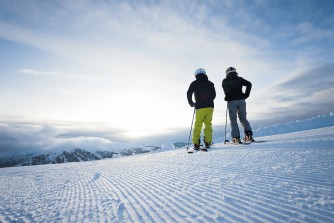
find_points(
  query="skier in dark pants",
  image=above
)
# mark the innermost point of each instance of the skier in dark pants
(236, 103)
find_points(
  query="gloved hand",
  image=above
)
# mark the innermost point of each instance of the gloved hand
(227, 98)
(193, 104)
(246, 95)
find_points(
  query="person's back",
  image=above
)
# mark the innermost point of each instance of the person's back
(205, 93)
(232, 86)
(235, 98)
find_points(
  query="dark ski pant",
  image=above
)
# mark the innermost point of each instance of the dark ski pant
(236, 109)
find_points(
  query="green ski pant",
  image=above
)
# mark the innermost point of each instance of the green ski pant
(203, 115)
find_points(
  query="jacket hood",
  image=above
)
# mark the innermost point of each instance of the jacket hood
(232, 75)
(202, 77)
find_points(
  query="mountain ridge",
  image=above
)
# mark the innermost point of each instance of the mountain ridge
(73, 155)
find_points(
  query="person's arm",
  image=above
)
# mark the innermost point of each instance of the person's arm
(225, 91)
(213, 91)
(190, 92)
(248, 87)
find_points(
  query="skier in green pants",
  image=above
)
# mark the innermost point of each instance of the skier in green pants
(205, 93)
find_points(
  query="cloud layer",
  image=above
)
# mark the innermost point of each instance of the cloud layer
(29, 137)
(306, 94)
(129, 63)
(40, 138)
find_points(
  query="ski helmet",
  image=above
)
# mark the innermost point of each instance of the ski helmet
(199, 71)
(230, 70)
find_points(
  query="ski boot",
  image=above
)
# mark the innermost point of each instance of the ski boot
(249, 137)
(236, 140)
(196, 147)
(207, 145)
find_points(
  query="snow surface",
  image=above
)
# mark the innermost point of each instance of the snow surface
(289, 178)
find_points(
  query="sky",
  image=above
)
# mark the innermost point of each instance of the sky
(120, 70)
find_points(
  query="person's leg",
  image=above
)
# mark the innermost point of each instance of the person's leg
(232, 111)
(208, 125)
(200, 114)
(242, 113)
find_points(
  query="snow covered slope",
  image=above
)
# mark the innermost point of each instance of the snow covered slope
(319, 121)
(289, 178)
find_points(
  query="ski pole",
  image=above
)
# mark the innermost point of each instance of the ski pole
(226, 124)
(191, 128)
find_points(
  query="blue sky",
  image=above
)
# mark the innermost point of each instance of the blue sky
(126, 65)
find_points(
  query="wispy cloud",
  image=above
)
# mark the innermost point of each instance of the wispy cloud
(305, 94)
(61, 74)
(307, 32)
(134, 32)
(308, 82)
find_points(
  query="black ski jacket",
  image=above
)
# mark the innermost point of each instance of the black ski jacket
(204, 91)
(232, 86)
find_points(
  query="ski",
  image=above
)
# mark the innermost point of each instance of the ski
(236, 144)
(243, 143)
(259, 141)
(202, 149)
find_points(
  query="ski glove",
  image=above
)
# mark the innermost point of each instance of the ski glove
(192, 104)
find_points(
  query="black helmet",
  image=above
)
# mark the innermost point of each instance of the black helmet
(231, 70)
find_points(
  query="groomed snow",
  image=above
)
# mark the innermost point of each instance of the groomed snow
(289, 178)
